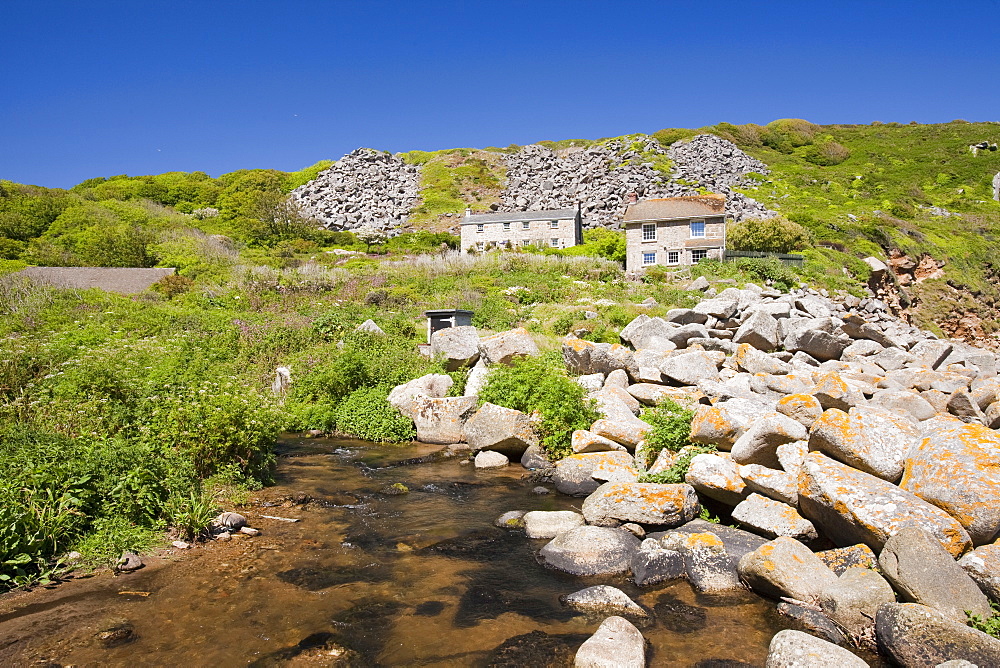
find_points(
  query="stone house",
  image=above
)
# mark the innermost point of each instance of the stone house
(675, 231)
(554, 228)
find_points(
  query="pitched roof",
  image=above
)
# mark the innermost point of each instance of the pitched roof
(126, 281)
(669, 208)
(518, 216)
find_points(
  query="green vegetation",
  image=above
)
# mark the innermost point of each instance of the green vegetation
(540, 384)
(771, 235)
(671, 425)
(990, 625)
(678, 469)
(456, 179)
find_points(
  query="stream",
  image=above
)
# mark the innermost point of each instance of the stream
(367, 577)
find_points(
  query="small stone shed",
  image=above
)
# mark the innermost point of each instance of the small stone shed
(444, 318)
(126, 281)
(554, 228)
(675, 231)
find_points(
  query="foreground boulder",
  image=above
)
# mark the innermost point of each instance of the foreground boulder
(923, 572)
(706, 562)
(785, 567)
(501, 429)
(441, 420)
(457, 346)
(852, 601)
(615, 644)
(867, 439)
(759, 443)
(591, 551)
(432, 385)
(957, 469)
(983, 566)
(915, 635)
(604, 599)
(487, 459)
(773, 518)
(717, 477)
(584, 357)
(574, 474)
(653, 564)
(550, 523)
(505, 347)
(795, 649)
(850, 506)
(643, 503)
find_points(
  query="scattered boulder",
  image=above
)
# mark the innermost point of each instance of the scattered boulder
(431, 385)
(588, 441)
(785, 567)
(441, 420)
(604, 599)
(795, 649)
(643, 503)
(867, 439)
(512, 519)
(916, 635)
(803, 408)
(615, 644)
(716, 477)
(839, 559)
(760, 330)
(487, 459)
(924, 572)
(652, 564)
(505, 347)
(591, 550)
(629, 431)
(550, 523)
(773, 518)
(774, 484)
(983, 566)
(759, 443)
(707, 564)
(850, 506)
(500, 429)
(689, 368)
(852, 601)
(573, 474)
(457, 346)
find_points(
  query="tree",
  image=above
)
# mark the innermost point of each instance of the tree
(768, 235)
(370, 235)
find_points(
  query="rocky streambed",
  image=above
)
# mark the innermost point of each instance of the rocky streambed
(372, 575)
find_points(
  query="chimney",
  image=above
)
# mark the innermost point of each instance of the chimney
(468, 212)
(632, 198)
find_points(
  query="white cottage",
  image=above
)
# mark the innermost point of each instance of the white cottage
(554, 228)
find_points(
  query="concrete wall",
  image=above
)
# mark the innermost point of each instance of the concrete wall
(539, 232)
(674, 235)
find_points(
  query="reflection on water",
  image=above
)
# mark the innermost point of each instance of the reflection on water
(367, 577)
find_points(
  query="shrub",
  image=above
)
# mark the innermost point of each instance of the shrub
(367, 415)
(540, 384)
(678, 470)
(827, 153)
(990, 625)
(671, 431)
(769, 235)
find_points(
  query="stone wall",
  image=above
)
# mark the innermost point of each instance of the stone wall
(673, 236)
(539, 232)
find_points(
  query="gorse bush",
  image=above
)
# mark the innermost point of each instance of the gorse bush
(770, 235)
(540, 384)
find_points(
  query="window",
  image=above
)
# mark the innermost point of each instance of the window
(506, 227)
(697, 255)
(648, 259)
(673, 257)
(525, 225)
(554, 224)
(554, 242)
(649, 231)
(698, 228)
(526, 242)
(479, 227)
(481, 246)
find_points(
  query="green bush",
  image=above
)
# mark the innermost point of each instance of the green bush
(676, 472)
(671, 428)
(540, 384)
(366, 414)
(989, 625)
(768, 235)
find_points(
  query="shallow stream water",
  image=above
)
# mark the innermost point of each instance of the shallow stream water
(385, 579)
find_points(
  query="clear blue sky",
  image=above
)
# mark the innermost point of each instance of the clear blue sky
(96, 88)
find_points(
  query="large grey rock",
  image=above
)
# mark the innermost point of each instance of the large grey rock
(752, 360)
(785, 567)
(685, 316)
(795, 649)
(441, 420)
(720, 309)
(573, 475)
(904, 402)
(431, 385)
(931, 353)
(924, 572)
(550, 523)
(832, 392)
(849, 506)
(633, 328)
(803, 408)
(679, 336)
(716, 477)
(736, 541)
(957, 468)
(852, 601)
(591, 550)
(652, 564)
(643, 503)
(652, 394)
(535, 458)
(915, 636)
(760, 330)
(500, 429)
(629, 430)
(817, 343)
(457, 346)
(857, 327)
(689, 368)
(772, 483)
(868, 439)
(585, 357)
(759, 443)
(708, 565)
(505, 347)
(476, 380)
(588, 441)
(773, 518)
(604, 599)
(615, 644)
(983, 566)
(892, 359)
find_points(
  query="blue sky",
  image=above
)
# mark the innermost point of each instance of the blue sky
(99, 88)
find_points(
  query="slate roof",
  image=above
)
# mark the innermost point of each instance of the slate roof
(519, 216)
(671, 208)
(126, 281)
